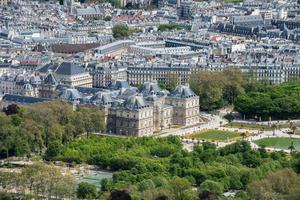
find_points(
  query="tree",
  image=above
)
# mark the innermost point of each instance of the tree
(162, 150)
(29, 130)
(7, 136)
(7, 180)
(16, 120)
(217, 89)
(5, 196)
(242, 195)
(33, 131)
(47, 180)
(212, 187)
(120, 195)
(86, 191)
(190, 194)
(274, 127)
(159, 181)
(106, 185)
(54, 149)
(229, 117)
(120, 31)
(11, 109)
(206, 195)
(234, 83)
(144, 175)
(64, 188)
(163, 197)
(169, 27)
(146, 185)
(209, 87)
(275, 185)
(179, 187)
(279, 101)
(251, 159)
(263, 152)
(291, 147)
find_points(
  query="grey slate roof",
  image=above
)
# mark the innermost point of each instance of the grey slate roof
(182, 91)
(85, 90)
(135, 102)
(127, 93)
(150, 87)
(71, 94)
(28, 87)
(46, 68)
(50, 80)
(102, 98)
(23, 99)
(151, 97)
(119, 84)
(69, 68)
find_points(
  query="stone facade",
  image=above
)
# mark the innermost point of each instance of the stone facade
(185, 106)
(128, 110)
(137, 121)
(3, 2)
(48, 87)
(152, 109)
(72, 74)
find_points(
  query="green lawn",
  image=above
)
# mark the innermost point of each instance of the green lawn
(248, 126)
(280, 142)
(216, 135)
(233, 1)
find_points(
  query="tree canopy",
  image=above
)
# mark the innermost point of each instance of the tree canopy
(39, 179)
(278, 101)
(86, 191)
(169, 27)
(32, 129)
(250, 97)
(216, 89)
(149, 168)
(120, 31)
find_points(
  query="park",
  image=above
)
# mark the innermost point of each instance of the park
(215, 135)
(284, 143)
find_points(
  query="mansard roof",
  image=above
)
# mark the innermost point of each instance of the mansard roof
(85, 90)
(23, 99)
(150, 87)
(50, 80)
(128, 92)
(28, 87)
(69, 68)
(151, 97)
(120, 84)
(46, 68)
(135, 102)
(182, 91)
(102, 98)
(71, 94)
